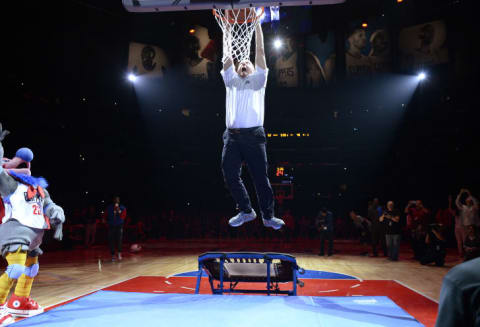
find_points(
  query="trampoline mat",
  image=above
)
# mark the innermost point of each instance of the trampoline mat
(250, 272)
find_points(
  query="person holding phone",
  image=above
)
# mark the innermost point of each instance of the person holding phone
(469, 210)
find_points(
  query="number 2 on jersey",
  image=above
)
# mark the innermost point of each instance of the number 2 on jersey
(36, 209)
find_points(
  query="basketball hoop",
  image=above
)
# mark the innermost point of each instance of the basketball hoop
(237, 26)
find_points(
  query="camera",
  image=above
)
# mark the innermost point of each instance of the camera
(435, 227)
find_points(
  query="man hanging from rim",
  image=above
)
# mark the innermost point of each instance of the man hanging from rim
(244, 138)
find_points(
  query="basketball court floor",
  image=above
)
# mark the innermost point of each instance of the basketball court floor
(156, 287)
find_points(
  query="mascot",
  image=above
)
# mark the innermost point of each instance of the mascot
(28, 212)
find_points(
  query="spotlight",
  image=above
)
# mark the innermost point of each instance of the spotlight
(364, 25)
(132, 78)
(191, 31)
(277, 44)
(399, 1)
(421, 76)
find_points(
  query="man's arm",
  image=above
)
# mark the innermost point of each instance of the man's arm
(260, 60)
(227, 73)
(474, 200)
(259, 78)
(228, 61)
(457, 200)
(475, 203)
(396, 218)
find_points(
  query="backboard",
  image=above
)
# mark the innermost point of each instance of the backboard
(185, 5)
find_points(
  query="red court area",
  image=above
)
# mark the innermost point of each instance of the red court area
(417, 305)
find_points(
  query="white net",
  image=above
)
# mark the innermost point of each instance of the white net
(238, 26)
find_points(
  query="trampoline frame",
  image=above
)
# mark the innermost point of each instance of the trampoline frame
(267, 259)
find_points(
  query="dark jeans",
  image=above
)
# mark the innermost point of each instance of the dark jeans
(326, 235)
(393, 245)
(378, 238)
(247, 145)
(115, 235)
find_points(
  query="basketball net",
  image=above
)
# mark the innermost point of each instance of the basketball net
(237, 26)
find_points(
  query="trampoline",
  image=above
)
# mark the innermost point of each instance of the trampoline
(234, 268)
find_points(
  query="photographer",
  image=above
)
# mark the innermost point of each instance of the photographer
(363, 226)
(391, 216)
(436, 246)
(417, 220)
(324, 225)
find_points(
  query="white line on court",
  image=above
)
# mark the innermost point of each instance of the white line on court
(329, 291)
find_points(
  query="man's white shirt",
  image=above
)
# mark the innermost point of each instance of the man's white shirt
(245, 100)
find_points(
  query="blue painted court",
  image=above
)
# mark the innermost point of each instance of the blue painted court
(309, 274)
(111, 308)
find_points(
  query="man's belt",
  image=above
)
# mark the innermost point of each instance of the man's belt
(242, 130)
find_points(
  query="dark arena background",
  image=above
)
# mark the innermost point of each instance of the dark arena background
(365, 99)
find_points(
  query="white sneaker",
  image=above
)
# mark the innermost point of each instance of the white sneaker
(241, 218)
(275, 223)
(5, 317)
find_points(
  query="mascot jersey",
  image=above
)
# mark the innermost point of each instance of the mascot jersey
(26, 206)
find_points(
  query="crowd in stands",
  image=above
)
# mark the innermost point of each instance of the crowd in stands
(379, 232)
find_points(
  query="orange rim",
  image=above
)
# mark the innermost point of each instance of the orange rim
(240, 22)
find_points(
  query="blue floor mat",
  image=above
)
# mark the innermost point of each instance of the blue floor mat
(119, 309)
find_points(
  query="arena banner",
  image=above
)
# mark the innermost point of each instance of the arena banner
(368, 48)
(145, 59)
(319, 59)
(285, 61)
(200, 53)
(423, 45)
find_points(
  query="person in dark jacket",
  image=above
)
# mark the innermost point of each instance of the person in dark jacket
(460, 296)
(436, 246)
(115, 215)
(324, 224)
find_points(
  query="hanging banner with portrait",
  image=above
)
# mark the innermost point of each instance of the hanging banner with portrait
(200, 53)
(285, 63)
(319, 59)
(368, 49)
(423, 45)
(145, 59)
